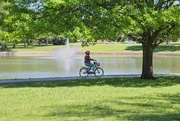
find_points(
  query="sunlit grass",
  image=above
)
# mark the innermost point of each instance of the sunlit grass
(101, 47)
(175, 48)
(36, 48)
(92, 99)
(119, 47)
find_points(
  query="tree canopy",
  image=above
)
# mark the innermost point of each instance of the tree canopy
(100, 18)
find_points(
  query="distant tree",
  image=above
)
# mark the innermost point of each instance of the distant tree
(20, 21)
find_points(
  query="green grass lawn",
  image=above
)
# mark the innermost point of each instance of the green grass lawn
(119, 47)
(92, 100)
(49, 48)
(130, 48)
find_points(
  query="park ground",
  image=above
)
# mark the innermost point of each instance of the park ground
(102, 49)
(106, 99)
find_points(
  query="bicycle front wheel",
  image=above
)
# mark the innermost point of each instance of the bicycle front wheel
(83, 72)
(99, 72)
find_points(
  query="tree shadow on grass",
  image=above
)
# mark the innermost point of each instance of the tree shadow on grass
(134, 48)
(116, 82)
(160, 111)
(160, 48)
(85, 112)
(128, 108)
(167, 48)
(156, 117)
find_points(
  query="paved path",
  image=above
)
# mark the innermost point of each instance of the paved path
(5, 81)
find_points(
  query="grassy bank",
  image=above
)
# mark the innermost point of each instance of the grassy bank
(49, 48)
(119, 47)
(131, 48)
(92, 100)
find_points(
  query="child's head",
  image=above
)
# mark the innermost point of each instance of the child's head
(87, 52)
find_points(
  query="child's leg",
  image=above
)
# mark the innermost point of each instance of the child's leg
(90, 65)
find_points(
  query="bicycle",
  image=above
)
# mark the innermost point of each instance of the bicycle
(98, 71)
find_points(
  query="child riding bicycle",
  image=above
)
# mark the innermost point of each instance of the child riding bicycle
(87, 61)
(93, 68)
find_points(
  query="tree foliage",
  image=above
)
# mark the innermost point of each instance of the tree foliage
(146, 21)
(149, 22)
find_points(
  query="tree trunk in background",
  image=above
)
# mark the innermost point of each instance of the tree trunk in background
(25, 44)
(147, 64)
(46, 41)
(14, 45)
(3, 47)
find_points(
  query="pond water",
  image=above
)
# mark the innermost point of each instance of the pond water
(12, 67)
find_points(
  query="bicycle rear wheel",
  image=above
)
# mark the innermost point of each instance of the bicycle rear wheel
(99, 72)
(83, 72)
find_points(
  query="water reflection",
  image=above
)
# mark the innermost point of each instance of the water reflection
(166, 64)
(40, 67)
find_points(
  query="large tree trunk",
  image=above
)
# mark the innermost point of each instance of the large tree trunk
(147, 65)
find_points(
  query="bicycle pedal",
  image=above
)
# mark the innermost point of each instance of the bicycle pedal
(91, 73)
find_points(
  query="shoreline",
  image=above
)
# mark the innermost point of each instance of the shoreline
(6, 81)
(82, 53)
